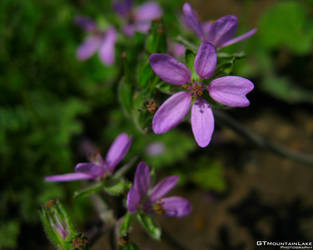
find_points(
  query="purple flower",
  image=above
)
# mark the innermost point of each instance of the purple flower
(138, 19)
(96, 40)
(176, 49)
(220, 33)
(98, 168)
(228, 90)
(153, 202)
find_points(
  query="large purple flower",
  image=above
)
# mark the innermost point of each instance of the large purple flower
(228, 90)
(96, 40)
(137, 19)
(98, 168)
(139, 199)
(220, 33)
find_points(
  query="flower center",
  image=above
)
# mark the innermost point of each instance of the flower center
(158, 208)
(195, 90)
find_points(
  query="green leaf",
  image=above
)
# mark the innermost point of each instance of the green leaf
(209, 175)
(94, 188)
(145, 73)
(286, 23)
(156, 41)
(149, 225)
(128, 219)
(284, 89)
(190, 61)
(125, 95)
(115, 186)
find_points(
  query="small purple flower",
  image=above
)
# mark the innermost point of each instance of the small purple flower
(98, 168)
(153, 202)
(96, 40)
(155, 149)
(220, 33)
(228, 90)
(176, 49)
(138, 19)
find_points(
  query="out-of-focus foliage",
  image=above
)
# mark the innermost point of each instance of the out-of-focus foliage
(282, 45)
(43, 93)
(49, 102)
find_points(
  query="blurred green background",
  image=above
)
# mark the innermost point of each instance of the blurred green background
(52, 106)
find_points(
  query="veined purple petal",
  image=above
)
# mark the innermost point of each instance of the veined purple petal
(91, 169)
(239, 38)
(171, 112)
(205, 61)
(222, 30)
(148, 11)
(88, 47)
(143, 27)
(176, 206)
(192, 22)
(107, 48)
(86, 24)
(133, 200)
(202, 122)
(206, 26)
(231, 90)
(169, 69)
(68, 177)
(122, 7)
(163, 187)
(118, 150)
(142, 179)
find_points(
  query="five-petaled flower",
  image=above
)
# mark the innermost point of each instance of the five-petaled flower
(220, 33)
(96, 40)
(228, 90)
(99, 168)
(139, 199)
(137, 19)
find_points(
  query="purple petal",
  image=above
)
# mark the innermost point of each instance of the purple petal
(171, 112)
(176, 206)
(68, 177)
(133, 200)
(86, 24)
(206, 26)
(107, 49)
(205, 61)
(192, 22)
(122, 7)
(202, 122)
(222, 30)
(88, 47)
(142, 180)
(118, 150)
(143, 27)
(231, 90)
(163, 187)
(129, 30)
(90, 169)
(169, 69)
(148, 11)
(239, 38)
(177, 49)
